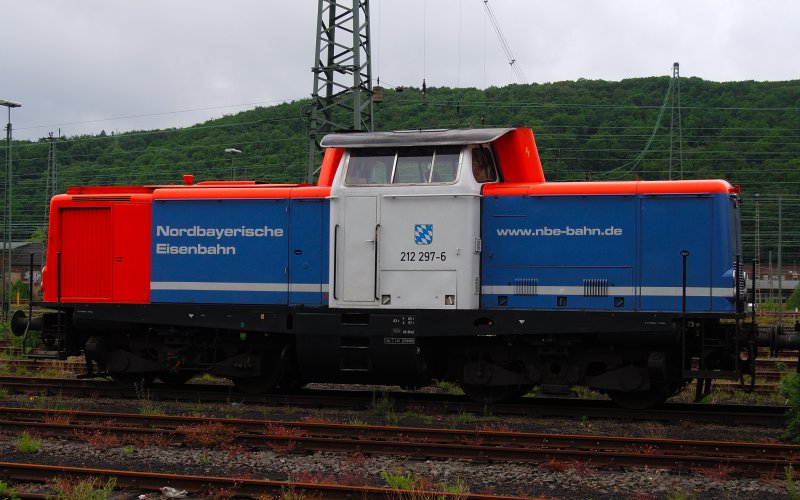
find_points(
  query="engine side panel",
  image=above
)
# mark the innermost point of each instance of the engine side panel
(237, 251)
(608, 252)
(99, 249)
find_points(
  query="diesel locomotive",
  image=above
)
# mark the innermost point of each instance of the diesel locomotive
(417, 256)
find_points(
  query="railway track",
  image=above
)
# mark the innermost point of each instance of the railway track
(536, 407)
(254, 488)
(769, 368)
(421, 443)
(35, 365)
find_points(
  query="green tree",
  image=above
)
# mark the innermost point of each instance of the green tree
(794, 298)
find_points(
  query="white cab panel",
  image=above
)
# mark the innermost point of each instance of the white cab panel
(416, 245)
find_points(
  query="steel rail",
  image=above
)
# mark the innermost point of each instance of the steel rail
(537, 407)
(241, 486)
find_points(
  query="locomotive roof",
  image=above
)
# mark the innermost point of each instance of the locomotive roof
(413, 138)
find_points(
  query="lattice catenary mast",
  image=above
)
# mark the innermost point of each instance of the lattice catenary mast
(341, 99)
(50, 178)
(675, 123)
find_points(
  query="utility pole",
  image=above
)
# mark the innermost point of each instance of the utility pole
(7, 214)
(780, 263)
(675, 122)
(341, 99)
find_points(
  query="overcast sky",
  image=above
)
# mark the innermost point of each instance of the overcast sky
(90, 65)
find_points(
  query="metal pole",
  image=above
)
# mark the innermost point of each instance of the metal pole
(7, 215)
(9, 237)
(5, 222)
(780, 262)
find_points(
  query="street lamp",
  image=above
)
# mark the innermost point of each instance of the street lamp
(233, 152)
(7, 234)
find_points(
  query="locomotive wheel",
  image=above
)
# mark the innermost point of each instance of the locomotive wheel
(176, 378)
(640, 400)
(493, 394)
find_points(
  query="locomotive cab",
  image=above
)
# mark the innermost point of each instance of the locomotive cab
(405, 220)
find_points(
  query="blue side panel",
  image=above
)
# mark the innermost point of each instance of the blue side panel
(608, 252)
(671, 225)
(699, 225)
(543, 252)
(308, 256)
(220, 251)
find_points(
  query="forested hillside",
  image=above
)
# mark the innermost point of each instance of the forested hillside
(745, 132)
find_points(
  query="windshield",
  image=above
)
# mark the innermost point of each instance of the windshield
(427, 165)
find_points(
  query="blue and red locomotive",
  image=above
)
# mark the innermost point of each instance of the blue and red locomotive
(419, 255)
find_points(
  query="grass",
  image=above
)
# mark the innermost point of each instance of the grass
(584, 393)
(791, 487)
(790, 389)
(28, 444)
(92, 488)
(723, 396)
(7, 493)
(449, 387)
(399, 480)
(382, 405)
(408, 482)
(465, 417)
(392, 418)
(208, 378)
(146, 405)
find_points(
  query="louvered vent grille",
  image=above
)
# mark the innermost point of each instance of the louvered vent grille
(526, 286)
(594, 287)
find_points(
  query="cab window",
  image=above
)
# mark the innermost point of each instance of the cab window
(483, 165)
(370, 166)
(427, 165)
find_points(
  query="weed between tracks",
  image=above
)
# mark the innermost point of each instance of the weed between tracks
(28, 444)
(351, 473)
(415, 487)
(207, 435)
(98, 440)
(68, 488)
(6, 492)
(580, 467)
(146, 405)
(791, 487)
(718, 473)
(790, 389)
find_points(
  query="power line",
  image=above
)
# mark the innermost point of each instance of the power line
(512, 61)
(161, 113)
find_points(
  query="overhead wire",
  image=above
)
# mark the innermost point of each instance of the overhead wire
(512, 61)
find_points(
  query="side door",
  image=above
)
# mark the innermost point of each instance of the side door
(308, 264)
(356, 245)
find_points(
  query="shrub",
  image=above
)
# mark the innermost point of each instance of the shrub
(790, 389)
(791, 487)
(7, 492)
